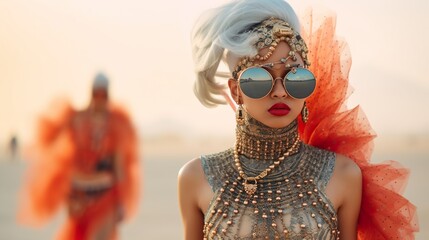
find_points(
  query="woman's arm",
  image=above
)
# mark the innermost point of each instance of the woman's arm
(348, 212)
(189, 185)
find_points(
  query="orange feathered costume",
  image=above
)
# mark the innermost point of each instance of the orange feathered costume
(384, 214)
(62, 148)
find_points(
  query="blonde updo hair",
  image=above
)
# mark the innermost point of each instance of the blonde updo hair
(223, 31)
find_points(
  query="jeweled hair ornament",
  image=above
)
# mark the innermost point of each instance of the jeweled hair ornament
(270, 33)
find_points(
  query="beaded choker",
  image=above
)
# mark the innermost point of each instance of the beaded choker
(257, 141)
(254, 140)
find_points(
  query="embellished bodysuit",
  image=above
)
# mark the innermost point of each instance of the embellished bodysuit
(289, 203)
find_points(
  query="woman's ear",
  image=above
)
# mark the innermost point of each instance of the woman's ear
(233, 88)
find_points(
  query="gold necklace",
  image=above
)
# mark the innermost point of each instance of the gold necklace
(250, 183)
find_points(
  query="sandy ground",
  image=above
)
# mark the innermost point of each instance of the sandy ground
(158, 216)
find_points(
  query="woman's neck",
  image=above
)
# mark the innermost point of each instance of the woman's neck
(258, 141)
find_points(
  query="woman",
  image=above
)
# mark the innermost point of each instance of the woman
(299, 168)
(86, 160)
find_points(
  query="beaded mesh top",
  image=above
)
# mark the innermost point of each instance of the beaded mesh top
(290, 202)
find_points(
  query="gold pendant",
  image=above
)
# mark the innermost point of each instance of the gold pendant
(250, 188)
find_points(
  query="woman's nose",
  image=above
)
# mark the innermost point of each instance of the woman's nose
(279, 90)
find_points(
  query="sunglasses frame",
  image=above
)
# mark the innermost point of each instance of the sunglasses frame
(263, 67)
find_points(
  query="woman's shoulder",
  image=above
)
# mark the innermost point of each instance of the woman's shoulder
(343, 167)
(347, 166)
(205, 168)
(341, 161)
(197, 164)
(347, 176)
(191, 170)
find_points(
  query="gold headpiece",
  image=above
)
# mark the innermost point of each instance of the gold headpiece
(270, 32)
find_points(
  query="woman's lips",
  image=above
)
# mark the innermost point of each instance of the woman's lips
(279, 109)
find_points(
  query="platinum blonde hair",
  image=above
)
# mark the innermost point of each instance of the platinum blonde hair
(221, 34)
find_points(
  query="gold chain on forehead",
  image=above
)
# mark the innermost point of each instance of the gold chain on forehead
(270, 33)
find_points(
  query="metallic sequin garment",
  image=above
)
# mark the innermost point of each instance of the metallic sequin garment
(290, 202)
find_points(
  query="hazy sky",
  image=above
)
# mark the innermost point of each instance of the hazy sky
(52, 48)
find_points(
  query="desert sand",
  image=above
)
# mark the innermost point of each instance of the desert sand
(158, 216)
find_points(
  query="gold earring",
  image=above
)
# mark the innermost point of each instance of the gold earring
(304, 113)
(239, 115)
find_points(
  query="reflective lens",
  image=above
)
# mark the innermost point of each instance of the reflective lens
(300, 83)
(257, 82)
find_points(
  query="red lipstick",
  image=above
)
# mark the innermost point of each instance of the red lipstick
(279, 109)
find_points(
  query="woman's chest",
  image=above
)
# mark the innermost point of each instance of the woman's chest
(282, 209)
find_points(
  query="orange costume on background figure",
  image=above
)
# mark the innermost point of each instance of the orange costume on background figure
(87, 161)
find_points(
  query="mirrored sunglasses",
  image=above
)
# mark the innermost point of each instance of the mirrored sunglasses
(257, 82)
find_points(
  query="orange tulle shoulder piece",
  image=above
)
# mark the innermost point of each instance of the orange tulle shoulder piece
(385, 213)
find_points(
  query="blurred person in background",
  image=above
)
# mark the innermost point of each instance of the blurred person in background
(13, 146)
(300, 167)
(87, 161)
